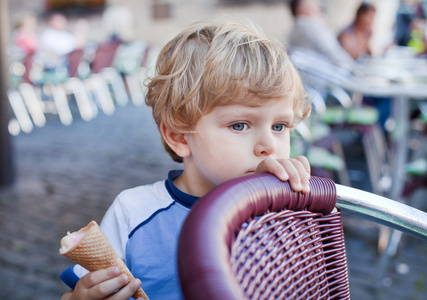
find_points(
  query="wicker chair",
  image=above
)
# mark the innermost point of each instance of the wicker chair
(253, 238)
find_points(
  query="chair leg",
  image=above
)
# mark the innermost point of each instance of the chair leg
(61, 103)
(115, 79)
(390, 250)
(142, 76)
(343, 172)
(100, 88)
(86, 109)
(20, 111)
(33, 104)
(13, 127)
(135, 89)
(383, 238)
(375, 150)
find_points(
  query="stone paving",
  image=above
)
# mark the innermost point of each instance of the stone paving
(67, 176)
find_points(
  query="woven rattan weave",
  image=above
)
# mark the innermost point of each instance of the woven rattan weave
(291, 255)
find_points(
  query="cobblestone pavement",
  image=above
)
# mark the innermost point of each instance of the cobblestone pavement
(67, 176)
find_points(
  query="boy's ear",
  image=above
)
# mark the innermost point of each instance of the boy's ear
(176, 141)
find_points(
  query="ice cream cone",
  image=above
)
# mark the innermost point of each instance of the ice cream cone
(94, 252)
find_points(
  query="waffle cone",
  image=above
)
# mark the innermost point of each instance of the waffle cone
(94, 252)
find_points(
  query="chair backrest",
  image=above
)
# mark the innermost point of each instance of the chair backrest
(254, 238)
(74, 58)
(104, 56)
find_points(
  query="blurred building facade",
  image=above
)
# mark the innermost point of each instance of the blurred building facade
(274, 18)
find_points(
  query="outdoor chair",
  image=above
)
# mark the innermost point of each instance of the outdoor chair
(40, 89)
(323, 149)
(254, 238)
(128, 61)
(104, 56)
(344, 112)
(105, 82)
(21, 120)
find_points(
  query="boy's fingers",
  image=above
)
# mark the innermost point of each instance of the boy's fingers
(127, 291)
(293, 169)
(304, 161)
(270, 165)
(96, 277)
(298, 175)
(301, 165)
(108, 287)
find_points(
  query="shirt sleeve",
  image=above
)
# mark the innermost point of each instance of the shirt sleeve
(115, 226)
(71, 275)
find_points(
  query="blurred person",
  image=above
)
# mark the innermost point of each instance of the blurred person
(80, 30)
(221, 122)
(24, 36)
(407, 16)
(118, 23)
(25, 39)
(56, 42)
(79, 59)
(418, 40)
(311, 31)
(356, 38)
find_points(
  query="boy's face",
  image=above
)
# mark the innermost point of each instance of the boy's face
(232, 140)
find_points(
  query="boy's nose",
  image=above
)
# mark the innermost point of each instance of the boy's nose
(265, 145)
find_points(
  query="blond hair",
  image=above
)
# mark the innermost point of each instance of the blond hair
(218, 63)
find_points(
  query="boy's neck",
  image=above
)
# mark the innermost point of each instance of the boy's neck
(190, 185)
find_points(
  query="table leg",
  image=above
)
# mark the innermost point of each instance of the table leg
(400, 145)
(399, 158)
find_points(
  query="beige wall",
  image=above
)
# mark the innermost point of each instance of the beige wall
(274, 18)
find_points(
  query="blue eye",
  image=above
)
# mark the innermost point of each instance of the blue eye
(239, 126)
(278, 127)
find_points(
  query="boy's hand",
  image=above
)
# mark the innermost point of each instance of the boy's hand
(296, 170)
(102, 285)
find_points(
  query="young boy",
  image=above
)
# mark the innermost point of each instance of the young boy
(225, 99)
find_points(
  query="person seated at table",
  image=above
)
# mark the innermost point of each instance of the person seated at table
(409, 13)
(356, 38)
(418, 41)
(56, 42)
(311, 31)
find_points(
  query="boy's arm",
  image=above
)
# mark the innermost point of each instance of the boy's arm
(295, 170)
